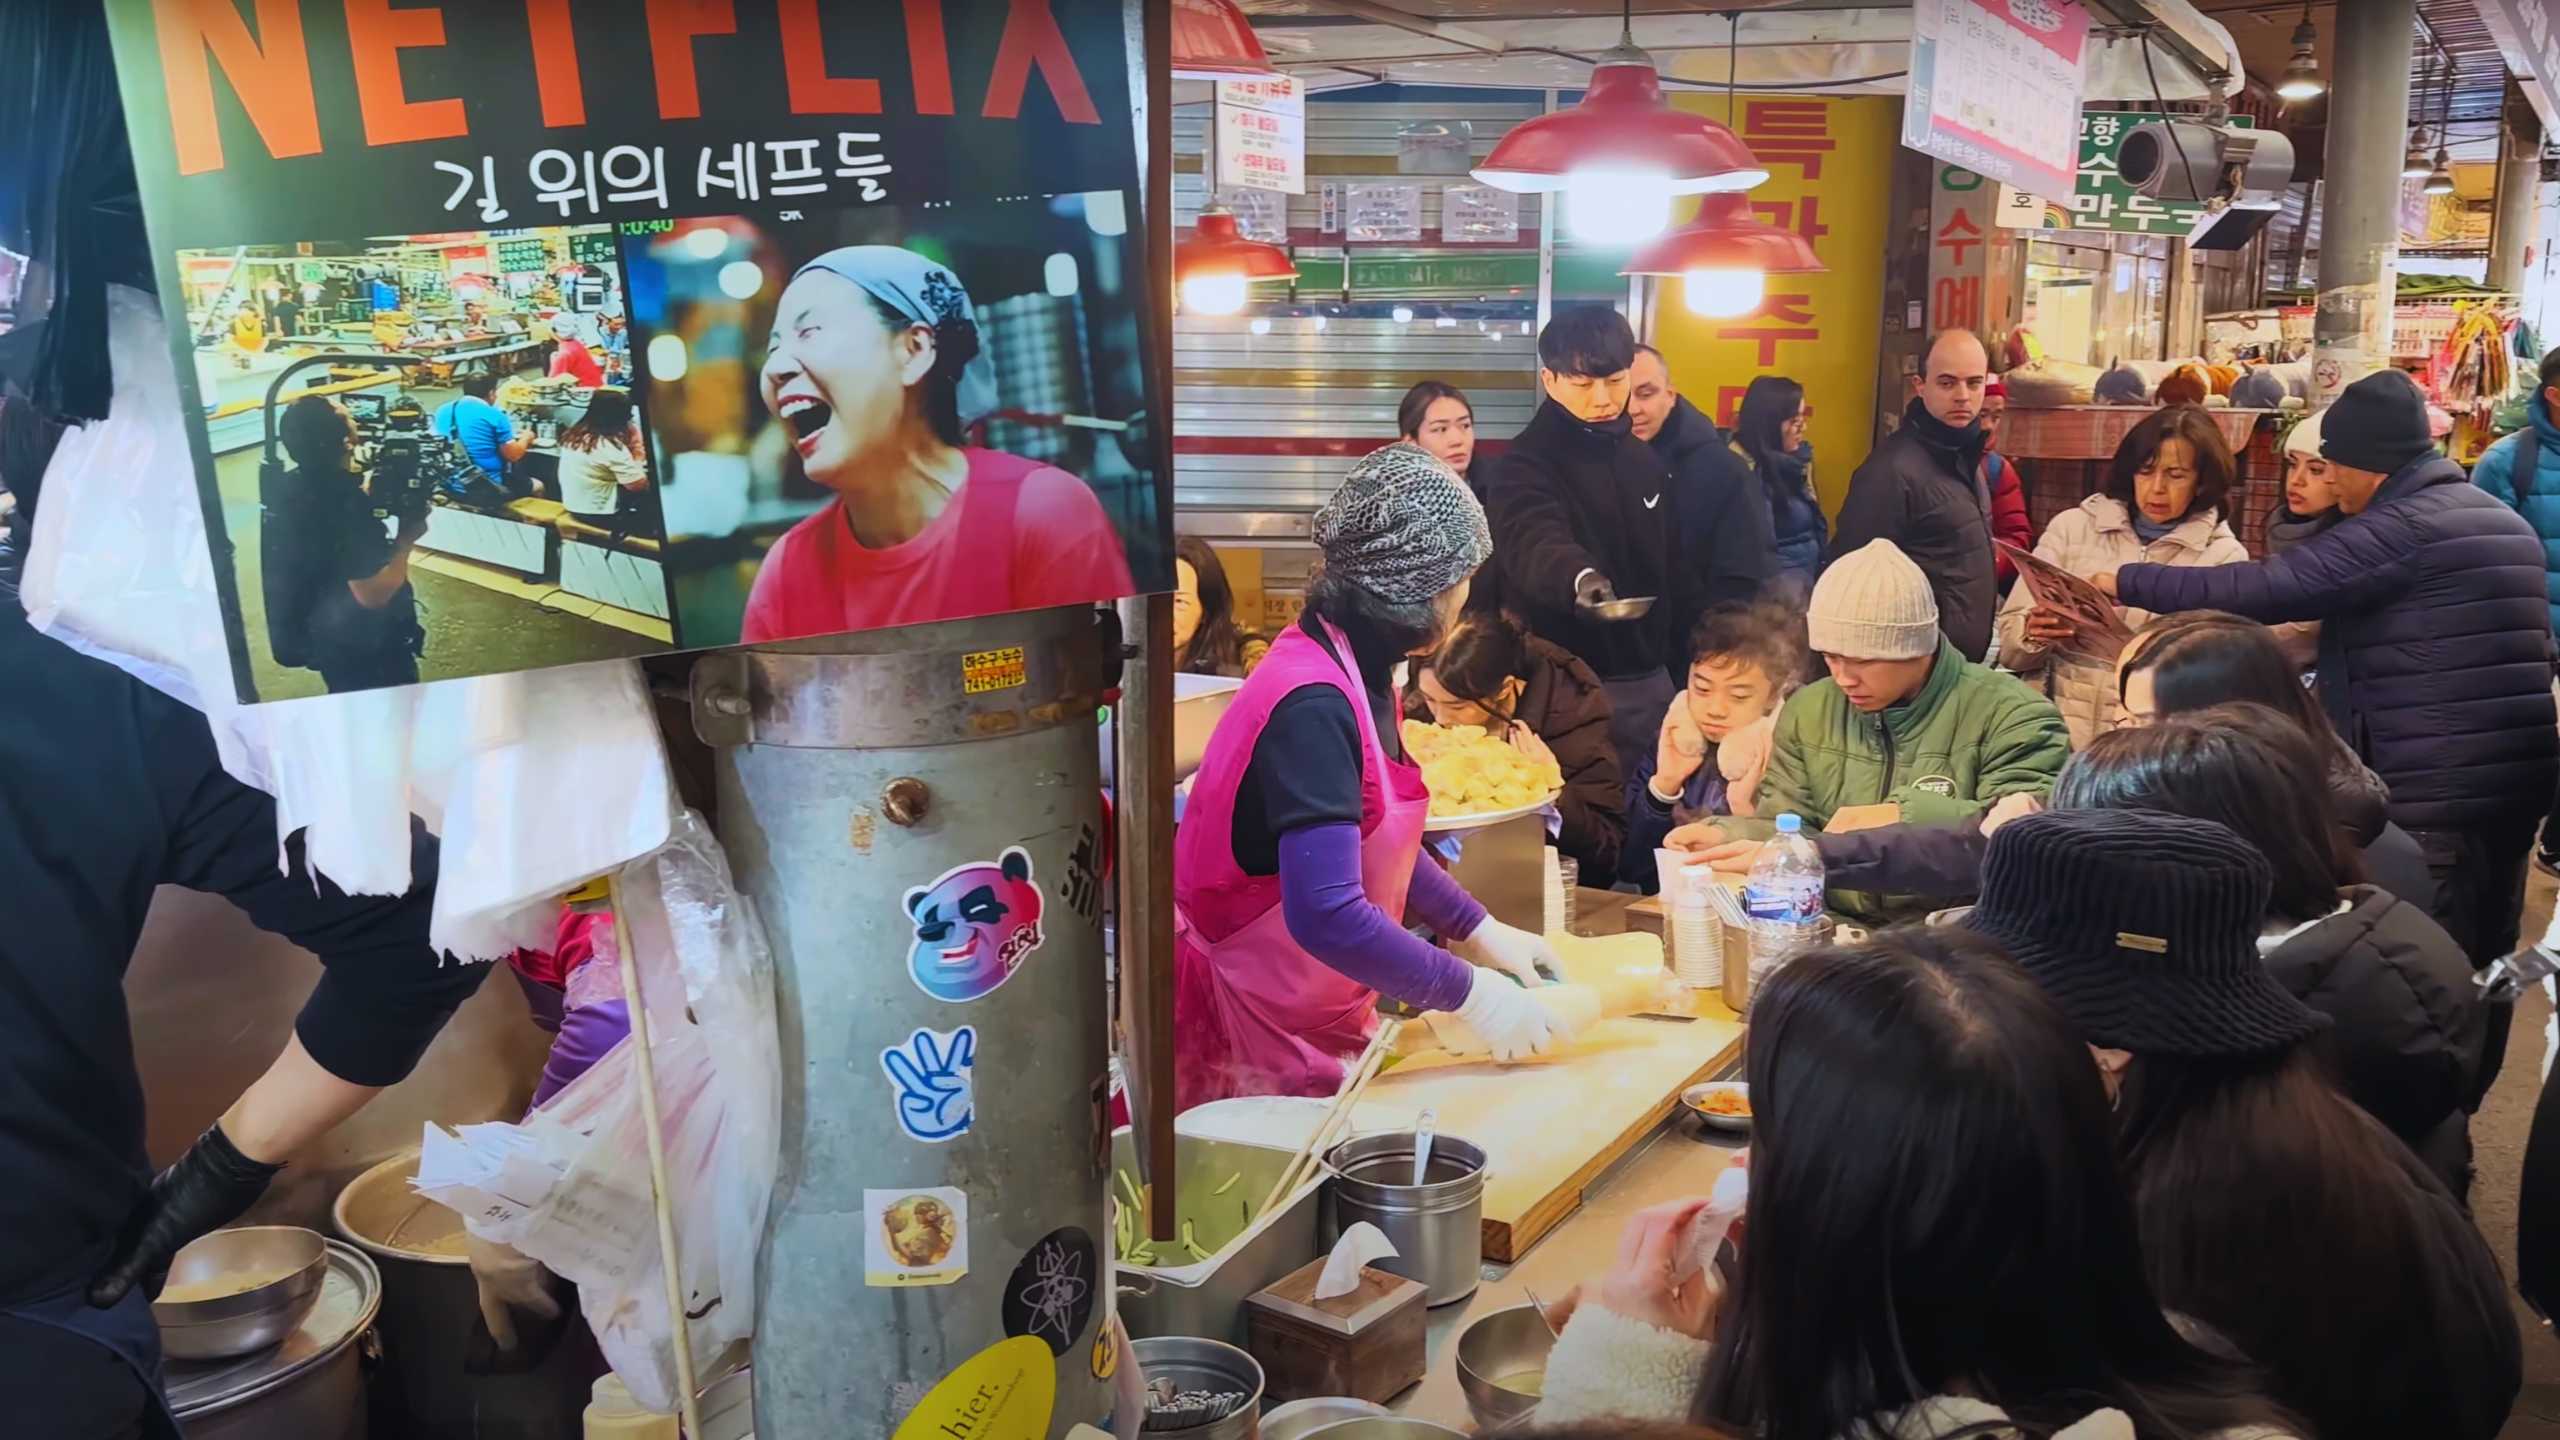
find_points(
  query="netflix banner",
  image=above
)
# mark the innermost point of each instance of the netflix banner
(531, 332)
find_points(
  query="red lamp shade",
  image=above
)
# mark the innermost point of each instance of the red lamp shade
(1726, 236)
(1218, 246)
(1623, 126)
(1213, 41)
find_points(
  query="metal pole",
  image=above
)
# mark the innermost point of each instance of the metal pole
(1547, 204)
(2360, 201)
(2519, 197)
(1143, 805)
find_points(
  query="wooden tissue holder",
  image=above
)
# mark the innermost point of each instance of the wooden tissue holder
(1367, 1344)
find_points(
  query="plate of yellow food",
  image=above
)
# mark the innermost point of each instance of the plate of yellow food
(1476, 779)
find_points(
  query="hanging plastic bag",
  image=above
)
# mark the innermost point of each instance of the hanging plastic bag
(570, 1187)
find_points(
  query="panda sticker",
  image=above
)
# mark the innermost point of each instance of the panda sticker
(975, 925)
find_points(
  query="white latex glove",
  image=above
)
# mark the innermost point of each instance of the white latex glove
(508, 1279)
(1513, 1023)
(1515, 952)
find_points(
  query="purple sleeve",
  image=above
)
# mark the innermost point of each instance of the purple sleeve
(586, 1032)
(1330, 917)
(1439, 901)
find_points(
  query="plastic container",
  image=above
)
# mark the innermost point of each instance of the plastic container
(1783, 897)
(1563, 877)
(1697, 933)
(614, 1415)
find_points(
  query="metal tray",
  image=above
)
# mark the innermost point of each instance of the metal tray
(1206, 1298)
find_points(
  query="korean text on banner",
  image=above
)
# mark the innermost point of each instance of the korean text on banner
(510, 339)
(1262, 135)
(1820, 330)
(1995, 87)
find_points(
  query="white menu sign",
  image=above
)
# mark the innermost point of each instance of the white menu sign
(1995, 88)
(1262, 134)
(1479, 213)
(1381, 212)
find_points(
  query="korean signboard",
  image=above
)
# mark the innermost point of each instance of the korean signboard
(2100, 199)
(2529, 34)
(1262, 135)
(1995, 87)
(1820, 330)
(522, 335)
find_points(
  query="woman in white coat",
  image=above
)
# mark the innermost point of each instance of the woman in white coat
(2163, 504)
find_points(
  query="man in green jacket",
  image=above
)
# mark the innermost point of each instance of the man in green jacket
(1905, 720)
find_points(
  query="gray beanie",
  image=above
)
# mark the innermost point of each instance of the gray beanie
(1403, 527)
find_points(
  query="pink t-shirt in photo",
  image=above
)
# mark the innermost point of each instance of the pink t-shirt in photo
(1018, 535)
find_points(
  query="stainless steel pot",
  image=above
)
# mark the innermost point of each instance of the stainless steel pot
(1437, 1227)
(311, 1386)
(1195, 1364)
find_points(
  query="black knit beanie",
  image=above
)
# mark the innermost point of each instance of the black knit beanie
(2143, 927)
(2379, 424)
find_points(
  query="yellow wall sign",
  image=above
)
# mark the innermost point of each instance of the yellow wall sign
(1827, 160)
(985, 671)
(1004, 1392)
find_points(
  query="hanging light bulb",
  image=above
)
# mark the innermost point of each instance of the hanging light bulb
(1215, 269)
(2415, 165)
(1723, 294)
(1724, 256)
(1622, 129)
(1615, 207)
(2302, 72)
(2440, 179)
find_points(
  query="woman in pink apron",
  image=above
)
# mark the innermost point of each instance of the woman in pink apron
(1299, 858)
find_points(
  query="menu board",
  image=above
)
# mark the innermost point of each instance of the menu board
(1376, 213)
(1995, 88)
(856, 334)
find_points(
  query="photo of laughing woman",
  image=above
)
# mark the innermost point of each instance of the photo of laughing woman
(877, 368)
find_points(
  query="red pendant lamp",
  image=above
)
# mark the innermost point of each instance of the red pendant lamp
(1214, 269)
(1622, 153)
(1213, 41)
(1724, 254)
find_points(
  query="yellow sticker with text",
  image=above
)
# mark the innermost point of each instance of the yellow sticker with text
(986, 671)
(1004, 1392)
(1106, 1356)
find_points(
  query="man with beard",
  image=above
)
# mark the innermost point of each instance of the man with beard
(1923, 490)
(1579, 515)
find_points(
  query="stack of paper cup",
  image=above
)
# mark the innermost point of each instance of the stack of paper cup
(1563, 875)
(1697, 936)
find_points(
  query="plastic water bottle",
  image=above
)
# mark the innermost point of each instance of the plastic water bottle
(1783, 898)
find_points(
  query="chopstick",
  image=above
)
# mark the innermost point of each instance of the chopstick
(1354, 1081)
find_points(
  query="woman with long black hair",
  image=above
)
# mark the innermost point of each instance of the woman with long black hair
(1768, 433)
(1939, 1242)
(2280, 1219)
(1206, 638)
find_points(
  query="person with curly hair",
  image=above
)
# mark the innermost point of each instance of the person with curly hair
(876, 368)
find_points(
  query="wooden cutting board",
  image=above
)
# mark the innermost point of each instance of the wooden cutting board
(1549, 1128)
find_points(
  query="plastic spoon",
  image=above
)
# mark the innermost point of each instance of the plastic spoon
(1422, 1146)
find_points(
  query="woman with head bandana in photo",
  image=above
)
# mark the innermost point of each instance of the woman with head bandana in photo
(875, 367)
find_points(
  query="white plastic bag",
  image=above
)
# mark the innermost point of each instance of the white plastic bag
(570, 1187)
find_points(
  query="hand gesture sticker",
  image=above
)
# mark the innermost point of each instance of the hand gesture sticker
(931, 1075)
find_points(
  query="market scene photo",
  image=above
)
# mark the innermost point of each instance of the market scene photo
(1272, 719)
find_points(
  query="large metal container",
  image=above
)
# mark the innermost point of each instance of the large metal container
(1216, 1182)
(1437, 1227)
(429, 1305)
(1190, 1363)
(878, 793)
(310, 1387)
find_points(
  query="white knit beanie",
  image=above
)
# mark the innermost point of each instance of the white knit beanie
(1873, 604)
(2304, 437)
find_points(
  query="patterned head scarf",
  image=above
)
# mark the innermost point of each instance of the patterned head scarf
(926, 294)
(1403, 527)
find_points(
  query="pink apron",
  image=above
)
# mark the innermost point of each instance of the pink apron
(1253, 1013)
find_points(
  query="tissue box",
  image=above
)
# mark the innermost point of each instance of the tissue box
(1367, 1344)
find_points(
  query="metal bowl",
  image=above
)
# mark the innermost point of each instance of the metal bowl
(1631, 607)
(1301, 1418)
(1384, 1427)
(278, 1270)
(1498, 1346)
(1695, 1098)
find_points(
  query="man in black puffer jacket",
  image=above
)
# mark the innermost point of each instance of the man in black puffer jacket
(1723, 544)
(2435, 647)
(1923, 490)
(1579, 515)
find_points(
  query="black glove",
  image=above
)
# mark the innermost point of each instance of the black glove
(1593, 588)
(207, 1189)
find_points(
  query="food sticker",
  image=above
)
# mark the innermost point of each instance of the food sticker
(975, 925)
(1004, 1392)
(931, 1075)
(1051, 1294)
(983, 672)
(915, 1237)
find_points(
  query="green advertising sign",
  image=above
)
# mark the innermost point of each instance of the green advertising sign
(1397, 277)
(2102, 200)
